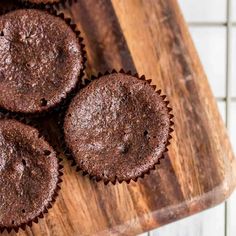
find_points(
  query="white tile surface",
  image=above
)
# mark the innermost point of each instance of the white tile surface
(234, 61)
(204, 10)
(211, 46)
(231, 215)
(144, 234)
(207, 223)
(234, 10)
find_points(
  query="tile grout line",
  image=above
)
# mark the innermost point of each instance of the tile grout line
(210, 24)
(228, 64)
(228, 94)
(223, 99)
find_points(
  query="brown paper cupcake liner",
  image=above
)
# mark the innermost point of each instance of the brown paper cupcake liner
(60, 5)
(63, 4)
(56, 5)
(69, 154)
(57, 107)
(56, 191)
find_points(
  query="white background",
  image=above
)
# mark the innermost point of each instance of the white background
(207, 21)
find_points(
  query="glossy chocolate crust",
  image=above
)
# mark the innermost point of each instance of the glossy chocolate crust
(28, 174)
(40, 60)
(117, 127)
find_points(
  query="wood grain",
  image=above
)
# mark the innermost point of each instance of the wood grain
(201, 224)
(150, 37)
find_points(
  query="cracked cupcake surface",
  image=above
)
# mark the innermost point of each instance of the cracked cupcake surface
(117, 127)
(40, 60)
(28, 174)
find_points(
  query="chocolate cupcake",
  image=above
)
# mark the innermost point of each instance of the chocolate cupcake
(117, 128)
(29, 175)
(41, 60)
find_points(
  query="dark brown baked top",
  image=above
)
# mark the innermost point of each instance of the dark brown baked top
(40, 60)
(28, 173)
(117, 127)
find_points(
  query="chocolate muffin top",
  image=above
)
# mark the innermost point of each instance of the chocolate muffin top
(117, 127)
(28, 173)
(40, 60)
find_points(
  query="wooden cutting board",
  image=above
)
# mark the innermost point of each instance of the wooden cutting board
(150, 37)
